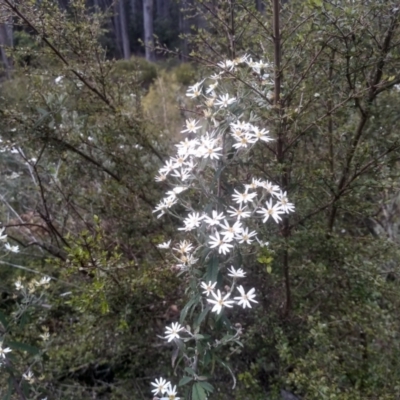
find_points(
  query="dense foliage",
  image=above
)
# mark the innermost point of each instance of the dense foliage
(83, 137)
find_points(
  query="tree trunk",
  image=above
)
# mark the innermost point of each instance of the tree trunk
(148, 29)
(62, 4)
(162, 8)
(260, 6)
(6, 40)
(10, 32)
(134, 8)
(124, 31)
(183, 29)
(117, 30)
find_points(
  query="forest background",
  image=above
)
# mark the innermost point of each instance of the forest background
(92, 102)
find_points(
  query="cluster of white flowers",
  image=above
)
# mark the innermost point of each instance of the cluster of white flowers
(33, 284)
(227, 229)
(258, 67)
(165, 389)
(213, 142)
(7, 246)
(220, 302)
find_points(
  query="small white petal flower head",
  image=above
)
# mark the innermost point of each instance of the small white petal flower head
(214, 219)
(236, 273)
(261, 243)
(161, 385)
(230, 231)
(58, 79)
(4, 350)
(28, 376)
(220, 302)
(45, 336)
(195, 90)
(284, 203)
(272, 189)
(18, 284)
(245, 298)
(243, 197)
(3, 237)
(184, 246)
(208, 288)
(244, 141)
(191, 126)
(171, 394)
(172, 332)
(192, 221)
(209, 151)
(176, 190)
(273, 211)
(224, 101)
(160, 177)
(212, 87)
(261, 134)
(227, 64)
(239, 212)
(245, 236)
(164, 245)
(45, 281)
(222, 244)
(13, 249)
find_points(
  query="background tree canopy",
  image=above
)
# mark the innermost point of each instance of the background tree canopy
(89, 114)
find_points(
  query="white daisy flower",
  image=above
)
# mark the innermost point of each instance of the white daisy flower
(245, 298)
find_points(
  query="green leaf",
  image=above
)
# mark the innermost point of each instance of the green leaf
(185, 380)
(190, 371)
(200, 318)
(24, 320)
(227, 338)
(174, 356)
(222, 321)
(192, 302)
(44, 114)
(198, 336)
(212, 270)
(26, 388)
(198, 392)
(3, 320)
(10, 389)
(207, 386)
(207, 358)
(23, 347)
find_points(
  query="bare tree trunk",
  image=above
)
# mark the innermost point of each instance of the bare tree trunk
(162, 8)
(148, 29)
(183, 29)
(117, 29)
(260, 6)
(10, 32)
(124, 31)
(6, 40)
(133, 8)
(4, 57)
